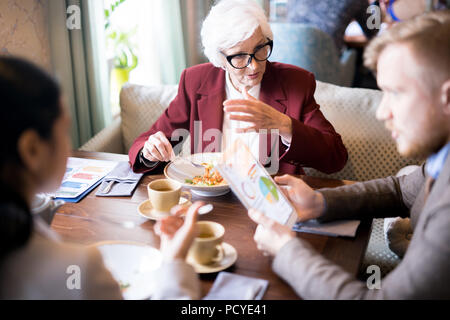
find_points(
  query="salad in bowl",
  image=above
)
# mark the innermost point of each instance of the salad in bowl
(202, 180)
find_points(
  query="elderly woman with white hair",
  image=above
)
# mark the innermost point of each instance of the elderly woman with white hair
(243, 95)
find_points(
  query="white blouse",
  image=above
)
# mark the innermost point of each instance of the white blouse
(229, 135)
(251, 139)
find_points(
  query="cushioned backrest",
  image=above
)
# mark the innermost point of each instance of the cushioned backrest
(307, 47)
(141, 106)
(372, 151)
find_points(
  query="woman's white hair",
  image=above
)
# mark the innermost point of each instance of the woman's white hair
(230, 22)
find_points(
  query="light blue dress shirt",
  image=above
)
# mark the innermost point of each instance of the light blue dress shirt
(436, 161)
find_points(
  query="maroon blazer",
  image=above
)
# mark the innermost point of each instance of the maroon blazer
(286, 88)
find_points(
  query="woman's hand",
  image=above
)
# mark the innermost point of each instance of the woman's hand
(260, 115)
(177, 234)
(308, 203)
(158, 148)
(270, 236)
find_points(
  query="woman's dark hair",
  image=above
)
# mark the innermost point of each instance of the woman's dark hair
(29, 99)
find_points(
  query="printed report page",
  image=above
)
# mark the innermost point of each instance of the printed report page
(252, 184)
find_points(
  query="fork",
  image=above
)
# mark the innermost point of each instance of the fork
(187, 160)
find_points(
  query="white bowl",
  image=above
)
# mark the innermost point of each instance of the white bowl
(180, 170)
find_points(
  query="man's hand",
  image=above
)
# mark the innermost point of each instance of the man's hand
(270, 236)
(177, 234)
(158, 148)
(260, 115)
(308, 203)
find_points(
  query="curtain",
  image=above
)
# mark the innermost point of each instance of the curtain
(194, 12)
(169, 39)
(79, 63)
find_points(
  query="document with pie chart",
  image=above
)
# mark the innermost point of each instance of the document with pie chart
(253, 185)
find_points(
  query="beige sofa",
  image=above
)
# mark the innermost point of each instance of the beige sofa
(372, 152)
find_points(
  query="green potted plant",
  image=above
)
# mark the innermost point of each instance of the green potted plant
(125, 60)
(119, 43)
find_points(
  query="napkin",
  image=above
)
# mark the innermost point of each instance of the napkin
(120, 182)
(229, 286)
(343, 228)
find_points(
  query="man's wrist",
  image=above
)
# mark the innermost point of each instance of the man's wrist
(286, 246)
(283, 241)
(321, 204)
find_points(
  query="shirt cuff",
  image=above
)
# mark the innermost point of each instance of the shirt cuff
(325, 206)
(176, 280)
(282, 263)
(149, 164)
(285, 142)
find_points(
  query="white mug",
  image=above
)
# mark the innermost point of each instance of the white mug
(207, 245)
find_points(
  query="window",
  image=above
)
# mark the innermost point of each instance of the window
(131, 46)
(278, 10)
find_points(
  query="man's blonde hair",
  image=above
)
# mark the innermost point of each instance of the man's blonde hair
(427, 36)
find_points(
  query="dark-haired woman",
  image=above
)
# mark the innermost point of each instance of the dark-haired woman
(34, 144)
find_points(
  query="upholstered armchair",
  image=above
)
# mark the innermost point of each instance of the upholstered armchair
(314, 50)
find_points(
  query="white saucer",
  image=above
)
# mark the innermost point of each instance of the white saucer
(133, 265)
(230, 257)
(145, 209)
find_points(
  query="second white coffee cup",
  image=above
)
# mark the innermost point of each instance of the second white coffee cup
(207, 246)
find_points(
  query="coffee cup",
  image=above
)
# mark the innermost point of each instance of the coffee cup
(165, 194)
(207, 246)
(44, 207)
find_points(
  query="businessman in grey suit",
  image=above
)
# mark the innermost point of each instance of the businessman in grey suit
(412, 62)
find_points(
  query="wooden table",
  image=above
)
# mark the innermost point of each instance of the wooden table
(98, 219)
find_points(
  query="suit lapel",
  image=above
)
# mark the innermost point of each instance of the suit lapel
(272, 92)
(440, 185)
(210, 104)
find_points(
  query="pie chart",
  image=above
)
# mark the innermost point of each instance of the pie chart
(268, 190)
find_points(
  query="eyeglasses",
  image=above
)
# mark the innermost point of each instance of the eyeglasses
(242, 60)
